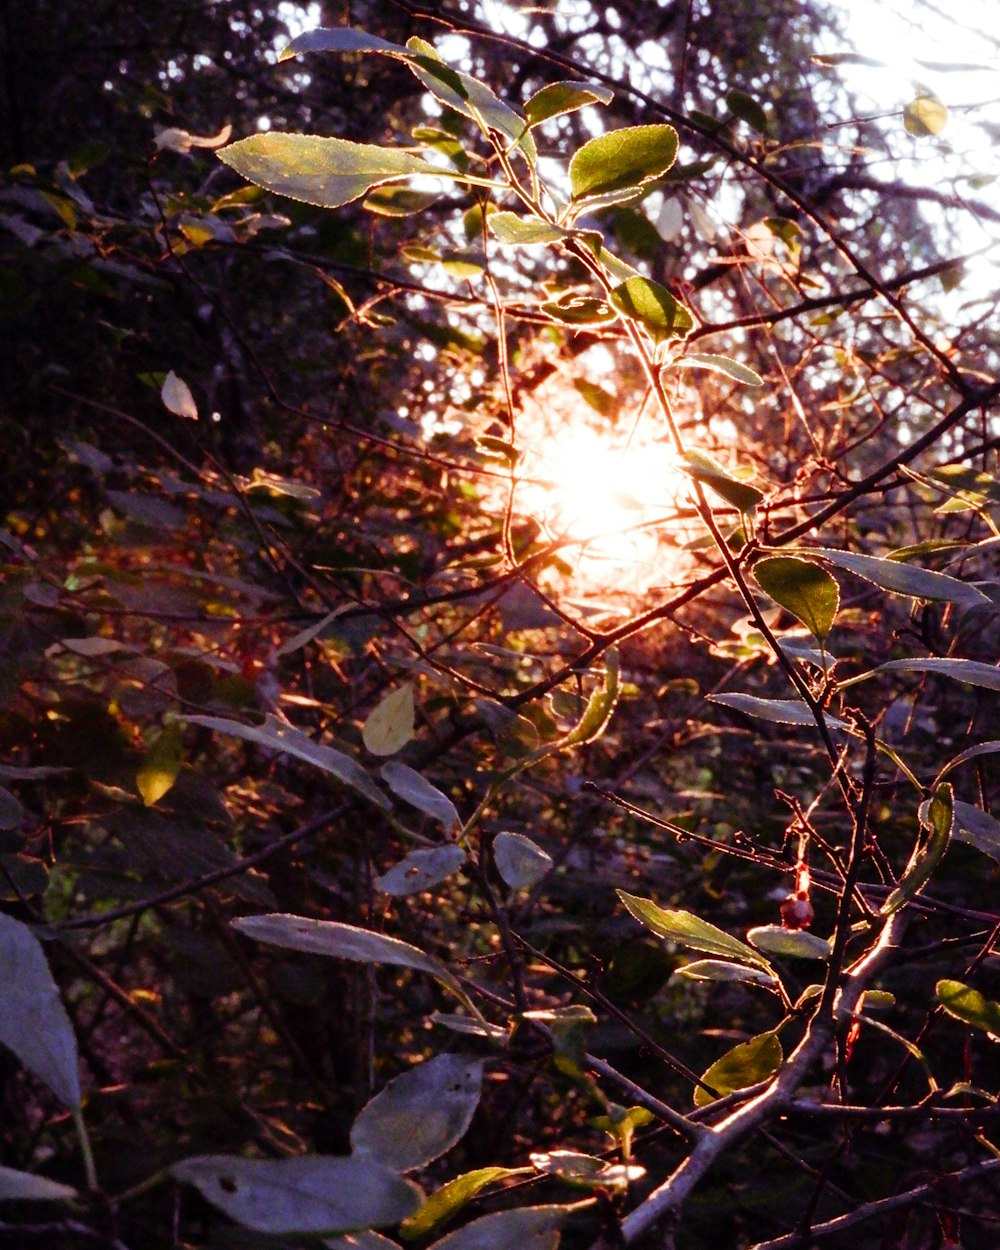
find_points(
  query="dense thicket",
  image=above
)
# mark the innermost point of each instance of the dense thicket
(447, 575)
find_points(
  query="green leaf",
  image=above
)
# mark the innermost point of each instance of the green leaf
(328, 172)
(578, 310)
(925, 115)
(744, 1065)
(937, 819)
(524, 231)
(721, 364)
(773, 939)
(162, 765)
(564, 97)
(747, 109)
(278, 735)
(603, 401)
(390, 725)
(736, 493)
(396, 201)
(25, 1186)
(450, 1198)
(420, 870)
(803, 588)
(309, 1194)
(585, 1171)
(653, 307)
(689, 930)
(902, 579)
(342, 941)
(521, 862)
(599, 708)
(33, 1020)
(406, 783)
(523, 1228)
(421, 1114)
(722, 970)
(969, 1006)
(781, 711)
(622, 158)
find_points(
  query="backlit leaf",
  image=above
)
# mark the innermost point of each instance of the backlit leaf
(653, 307)
(525, 231)
(622, 158)
(521, 862)
(450, 1198)
(723, 970)
(420, 870)
(421, 1114)
(937, 820)
(721, 364)
(977, 828)
(972, 672)
(781, 711)
(33, 1020)
(564, 97)
(773, 939)
(703, 468)
(925, 115)
(689, 930)
(162, 765)
(390, 726)
(308, 1194)
(902, 579)
(744, 1065)
(968, 1005)
(803, 588)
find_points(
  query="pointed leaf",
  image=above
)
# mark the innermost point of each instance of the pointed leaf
(15, 1186)
(803, 588)
(564, 97)
(421, 1114)
(524, 1228)
(599, 708)
(782, 711)
(162, 764)
(653, 307)
(937, 819)
(622, 158)
(420, 870)
(308, 1194)
(689, 930)
(747, 109)
(703, 468)
(902, 579)
(525, 231)
(450, 1198)
(744, 1065)
(341, 941)
(278, 735)
(972, 672)
(413, 788)
(328, 172)
(177, 397)
(722, 970)
(340, 39)
(33, 1020)
(521, 862)
(721, 364)
(578, 310)
(977, 828)
(773, 939)
(390, 726)
(969, 1006)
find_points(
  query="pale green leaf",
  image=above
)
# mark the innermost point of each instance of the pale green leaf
(524, 231)
(450, 1198)
(622, 158)
(420, 870)
(599, 708)
(773, 939)
(328, 172)
(721, 364)
(781, 711)
(564, 97)
(902, 579)
(744, 1065)
(33, 1020)
(686, 929)
(972, 672)
(723, 970)
(162, 765)
(308, 1194)
(521, 862)
(421, 1114)
(937, 820)
(390, 726)
(969, 1006)
(803, 588)
(703, 468)
(977, 828)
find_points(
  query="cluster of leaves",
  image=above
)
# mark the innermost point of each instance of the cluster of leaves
(394, 878)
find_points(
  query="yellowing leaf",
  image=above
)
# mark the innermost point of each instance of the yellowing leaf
(925, 115)
(390, 726)
(161, 766)
(744, 1065)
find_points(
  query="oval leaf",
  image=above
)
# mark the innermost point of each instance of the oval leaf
(722, 970)
(782, 711)
(280, 736)
(564, 97)
(803, 588)
(406, 783)
(312, 1194)
(653, 307)
(161, 766)
(925, 115)
(773, 939)
(421, 1114)
(327, 172)
(177, 397)
(969, 1006)
(744, 1065)
(622, 158)
(525, 1228)
(33, 1020)
(15, 1186)
(390, 726)
(902, 579)
(720, 364)
(747, 109)
(420, 870)
(521, 862)
(690, 930)
(444, 1202)
(341, 941)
